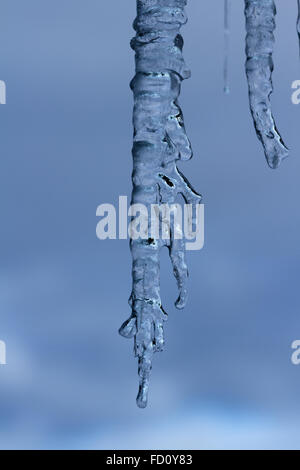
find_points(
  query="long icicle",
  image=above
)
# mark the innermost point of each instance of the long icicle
(159, 141)
(260, 26)
(227, 8)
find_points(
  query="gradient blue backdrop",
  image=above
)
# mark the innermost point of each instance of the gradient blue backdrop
(226, 379)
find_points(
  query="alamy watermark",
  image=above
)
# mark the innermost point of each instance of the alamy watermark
(296, 94)
(157, 221)
(2, 353)
(295, 358)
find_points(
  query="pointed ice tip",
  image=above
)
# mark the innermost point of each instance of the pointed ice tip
(273, 164)
(128, 329)
(142, 398)
(180, 303)
(274, 161)
(141, 404)
(226, 90)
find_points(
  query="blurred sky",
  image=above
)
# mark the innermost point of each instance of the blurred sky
(226, 380)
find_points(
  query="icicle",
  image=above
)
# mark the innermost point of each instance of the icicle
(260, 26)
(159, 141)
(226, 44)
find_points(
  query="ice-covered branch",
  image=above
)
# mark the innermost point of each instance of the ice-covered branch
(159, 141)
(260, 26)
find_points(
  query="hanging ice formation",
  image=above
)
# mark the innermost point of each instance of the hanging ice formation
(226, 44)
(159, 141)
(260, 26)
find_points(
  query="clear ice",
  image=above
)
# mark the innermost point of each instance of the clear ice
(227, 6)
(260, 26)
(160, 140)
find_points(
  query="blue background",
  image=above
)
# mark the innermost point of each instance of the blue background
(225, 379)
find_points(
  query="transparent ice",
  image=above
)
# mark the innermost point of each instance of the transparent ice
(227, 7)
(160, 140)
(260, 26)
